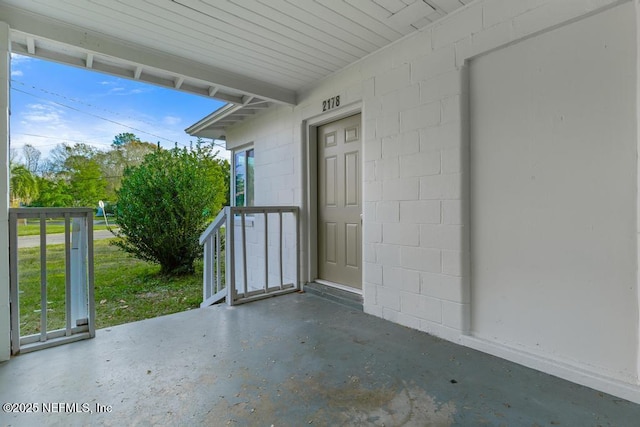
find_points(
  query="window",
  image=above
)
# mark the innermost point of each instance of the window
(243, 173)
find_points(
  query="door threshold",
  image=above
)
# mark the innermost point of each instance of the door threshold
(348, 299)
(339, 286)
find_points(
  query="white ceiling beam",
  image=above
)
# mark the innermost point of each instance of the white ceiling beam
(137, 73)
(50, 55)
(213, 90)
(256, 107)
(228, 98)
(89, 60)
(178, 82)
(125, 73)
(43, 27)
(31, 45)
(247, 99)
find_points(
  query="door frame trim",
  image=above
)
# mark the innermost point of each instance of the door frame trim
(310, 182)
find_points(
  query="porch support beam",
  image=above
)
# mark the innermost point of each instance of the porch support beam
(5, 75)
(39, 26)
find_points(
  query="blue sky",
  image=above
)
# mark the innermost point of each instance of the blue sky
(53, 103)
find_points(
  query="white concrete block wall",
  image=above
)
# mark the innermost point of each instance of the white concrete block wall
(415, 148)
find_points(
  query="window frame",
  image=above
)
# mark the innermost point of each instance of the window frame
(249, 177)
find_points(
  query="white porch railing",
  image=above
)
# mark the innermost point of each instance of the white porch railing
(79, 291)
(250, 253)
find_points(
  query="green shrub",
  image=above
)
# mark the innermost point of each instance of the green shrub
(165, 203)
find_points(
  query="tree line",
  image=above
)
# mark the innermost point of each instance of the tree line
(75, 175)
(162, 199)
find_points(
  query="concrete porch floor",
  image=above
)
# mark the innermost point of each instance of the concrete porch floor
(290, 361)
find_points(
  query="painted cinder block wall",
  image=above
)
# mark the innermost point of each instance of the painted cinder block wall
(414, 101)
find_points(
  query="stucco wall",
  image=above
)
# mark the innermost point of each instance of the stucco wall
(416, 172)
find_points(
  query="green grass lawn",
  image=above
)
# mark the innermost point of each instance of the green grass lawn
(34, 229)
(126, 289)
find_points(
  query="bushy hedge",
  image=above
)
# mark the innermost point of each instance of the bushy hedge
(165, 203)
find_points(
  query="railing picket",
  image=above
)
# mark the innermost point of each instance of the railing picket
(67, 271)
(43, 277)
(230, 257)
(218, 236)
(281, 260)
(91, 275)
(244, 253)
(13, 282)
(211, 238)
(206, 290)
(213, 273)
(266, 252)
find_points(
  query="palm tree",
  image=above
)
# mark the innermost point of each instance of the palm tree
(23, 186)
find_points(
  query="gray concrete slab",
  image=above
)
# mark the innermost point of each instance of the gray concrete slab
(290, 361)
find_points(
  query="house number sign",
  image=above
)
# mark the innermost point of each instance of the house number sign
(330, 103)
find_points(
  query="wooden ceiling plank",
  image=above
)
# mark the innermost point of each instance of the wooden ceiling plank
(410, 14)
(253, 37)
(393, 6)
(299, 11)
(360, 15)
(356, 21)
(258, 14)
(447, 6)
(151, 30)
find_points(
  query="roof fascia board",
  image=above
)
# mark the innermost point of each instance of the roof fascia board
(52, 29)
(212, 118)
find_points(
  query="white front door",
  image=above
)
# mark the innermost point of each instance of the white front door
(339, 202)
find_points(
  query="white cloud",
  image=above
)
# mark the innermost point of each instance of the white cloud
(17, 61)
(171, 120)
(125, 92)
(45, 125)
(42, 113)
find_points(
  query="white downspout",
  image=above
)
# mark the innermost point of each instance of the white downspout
(5, 76)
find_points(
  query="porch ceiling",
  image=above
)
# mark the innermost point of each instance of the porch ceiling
(239, 51)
